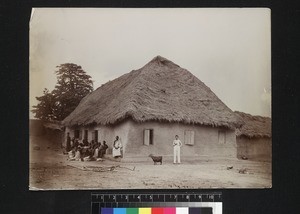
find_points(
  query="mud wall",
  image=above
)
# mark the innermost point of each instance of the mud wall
(107, 133)
(255, 148)
(206, 139)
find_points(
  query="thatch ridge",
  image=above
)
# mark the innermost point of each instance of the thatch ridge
(159, 91)
(255, 126)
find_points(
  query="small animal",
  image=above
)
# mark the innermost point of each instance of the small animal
(156, 159)
(243, 171)
(229, 167)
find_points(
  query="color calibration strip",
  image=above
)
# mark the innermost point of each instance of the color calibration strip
(199, 203)
(158, 210)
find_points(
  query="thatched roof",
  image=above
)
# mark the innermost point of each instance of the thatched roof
(159, 91)
(255, 126)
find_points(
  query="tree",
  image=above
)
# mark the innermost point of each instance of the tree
(72, 85)
(44, 110)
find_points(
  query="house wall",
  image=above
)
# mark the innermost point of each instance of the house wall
(131, 133)
(107, 133)
(205, 140)
(254, 148)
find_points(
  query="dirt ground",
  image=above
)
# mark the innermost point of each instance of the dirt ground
(50, 170)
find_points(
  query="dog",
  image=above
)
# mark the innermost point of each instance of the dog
(156, 159)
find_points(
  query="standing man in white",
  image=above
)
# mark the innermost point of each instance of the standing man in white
(117, 148)
(177, 144)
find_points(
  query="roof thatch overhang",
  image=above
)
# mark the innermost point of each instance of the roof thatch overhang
(254, 126)
(160, 91)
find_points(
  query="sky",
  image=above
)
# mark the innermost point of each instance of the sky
(227, 49)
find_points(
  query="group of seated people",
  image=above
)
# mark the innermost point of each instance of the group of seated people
(86, 151)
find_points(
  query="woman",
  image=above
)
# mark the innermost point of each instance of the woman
(117, 148)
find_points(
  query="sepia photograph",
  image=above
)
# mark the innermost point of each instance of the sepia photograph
(156, 98)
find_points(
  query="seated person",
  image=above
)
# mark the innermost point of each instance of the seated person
(96, 145)
(85, 142)
(102, 149)
(95, 150)
(71, 154)
(91, 144)
(80, 143)
(75, 143)
(75, 155)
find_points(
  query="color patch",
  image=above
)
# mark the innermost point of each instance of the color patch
(107, 210)
(144, 210)
(119, 211)
(182, 210)
(195, 210)
(132, 210)
(157, 210)
(170, 210)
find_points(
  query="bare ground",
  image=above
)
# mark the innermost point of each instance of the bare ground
(50, 169)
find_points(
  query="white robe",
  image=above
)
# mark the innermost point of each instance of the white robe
(117, 148)
(177, 144)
